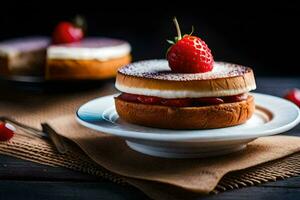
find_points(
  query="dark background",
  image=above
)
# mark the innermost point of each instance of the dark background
(262, 36)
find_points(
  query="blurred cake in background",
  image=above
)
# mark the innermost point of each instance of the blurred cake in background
(90, 58)
(68, 55)
(23, 56)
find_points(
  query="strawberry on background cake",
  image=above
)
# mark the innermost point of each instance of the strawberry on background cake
(72, 56)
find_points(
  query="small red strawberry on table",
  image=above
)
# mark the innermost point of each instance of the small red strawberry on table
(293, 96)
(7, 131)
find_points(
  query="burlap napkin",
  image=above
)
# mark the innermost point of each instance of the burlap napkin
(197, 175)
(42, 151)
(159, 178)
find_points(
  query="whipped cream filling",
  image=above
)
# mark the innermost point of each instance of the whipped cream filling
(101, 53)
(173, 94)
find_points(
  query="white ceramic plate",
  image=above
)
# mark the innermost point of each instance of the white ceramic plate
(273, 115)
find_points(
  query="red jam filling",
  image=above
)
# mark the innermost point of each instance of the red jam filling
(182, 102)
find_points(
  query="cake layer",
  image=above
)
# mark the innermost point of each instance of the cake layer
(61, 69)
(14, 47)
(23, 56)
(158, 116)
(102, 49)
(154, 78)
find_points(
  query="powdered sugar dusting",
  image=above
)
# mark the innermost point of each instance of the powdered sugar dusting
(159, 69)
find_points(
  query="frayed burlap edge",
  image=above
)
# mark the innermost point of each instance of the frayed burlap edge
(270, 171)
(41, 151)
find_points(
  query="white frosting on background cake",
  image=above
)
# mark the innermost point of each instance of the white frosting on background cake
(15, 46)
(101, 49)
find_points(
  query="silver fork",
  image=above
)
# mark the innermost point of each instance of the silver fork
(47, 132)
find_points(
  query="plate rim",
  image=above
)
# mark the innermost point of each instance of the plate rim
(184, 137)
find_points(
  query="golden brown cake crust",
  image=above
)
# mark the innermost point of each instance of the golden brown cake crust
(232, 83)
(215, 116)
(230, 79)
(60, 69)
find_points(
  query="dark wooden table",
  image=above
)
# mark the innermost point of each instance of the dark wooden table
(21, 179)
